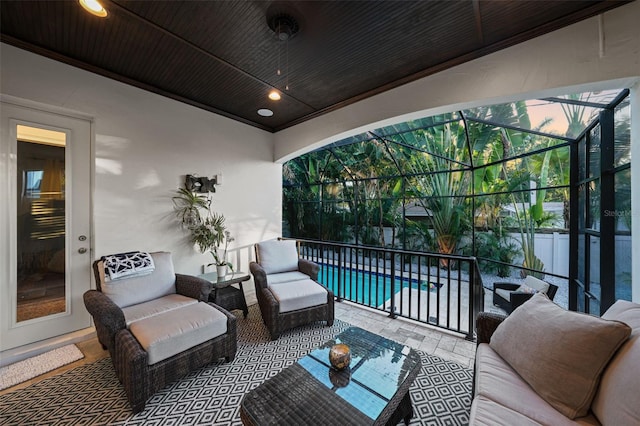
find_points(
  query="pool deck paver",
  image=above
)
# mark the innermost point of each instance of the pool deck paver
(432, 340)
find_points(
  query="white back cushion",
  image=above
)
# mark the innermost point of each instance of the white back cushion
(277, 256)
(536, 284)
(130, 291)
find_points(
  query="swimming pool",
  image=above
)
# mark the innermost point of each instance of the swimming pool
(368, 288)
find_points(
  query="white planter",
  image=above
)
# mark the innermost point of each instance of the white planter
(221, 270)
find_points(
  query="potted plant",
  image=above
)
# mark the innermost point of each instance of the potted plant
(221, 262)
(207, 228)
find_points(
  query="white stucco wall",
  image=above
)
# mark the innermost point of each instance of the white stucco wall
(144, 145)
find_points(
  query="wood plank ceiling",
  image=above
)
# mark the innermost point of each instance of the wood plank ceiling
(222, 56)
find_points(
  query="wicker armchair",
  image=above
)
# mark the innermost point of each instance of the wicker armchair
(509, 296)
(287, 289)
(121, 327)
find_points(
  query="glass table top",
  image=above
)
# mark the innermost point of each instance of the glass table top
(378, 369)
(230, 278)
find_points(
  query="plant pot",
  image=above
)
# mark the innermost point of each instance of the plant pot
(221, 270)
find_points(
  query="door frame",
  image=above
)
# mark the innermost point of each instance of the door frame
(30, 349)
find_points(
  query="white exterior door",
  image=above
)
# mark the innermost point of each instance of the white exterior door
(45, 223)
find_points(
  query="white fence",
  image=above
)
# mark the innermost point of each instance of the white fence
(553, 250)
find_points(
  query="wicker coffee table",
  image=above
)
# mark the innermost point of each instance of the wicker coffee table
(375, 390)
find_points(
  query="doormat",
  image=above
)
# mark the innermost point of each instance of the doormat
(29, 368)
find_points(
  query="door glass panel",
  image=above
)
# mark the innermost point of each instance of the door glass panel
(581, 306)
(594, 269)
(593, 194)
(40, 223)
(582, 262)
(623, 218)
(622, 135)
(582, 159)
(594, 153)
(582, 202)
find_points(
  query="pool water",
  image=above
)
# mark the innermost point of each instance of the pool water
(365, 287)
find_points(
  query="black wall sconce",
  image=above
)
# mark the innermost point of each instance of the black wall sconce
(201, 184)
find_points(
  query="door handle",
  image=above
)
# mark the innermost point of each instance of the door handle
(82, 250)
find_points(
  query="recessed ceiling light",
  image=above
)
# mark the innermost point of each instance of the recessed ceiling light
(265, 112)
(274, 95)
(94, 7)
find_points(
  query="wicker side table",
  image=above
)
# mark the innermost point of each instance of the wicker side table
(224, 294)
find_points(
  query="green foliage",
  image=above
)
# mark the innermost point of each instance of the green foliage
(358, 188)
(493, 246)
(188, 205)
(441, 184)
(206, 228)
(417, 236)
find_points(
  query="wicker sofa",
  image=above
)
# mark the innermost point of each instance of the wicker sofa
(287, 289)
(158, 327)
(544, 365)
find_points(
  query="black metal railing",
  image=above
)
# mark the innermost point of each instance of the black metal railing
(441, 290)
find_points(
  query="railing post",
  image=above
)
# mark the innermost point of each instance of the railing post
(392, 301)
(339, 272)
(472, 300)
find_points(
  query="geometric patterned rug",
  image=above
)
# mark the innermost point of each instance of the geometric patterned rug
(91, 394)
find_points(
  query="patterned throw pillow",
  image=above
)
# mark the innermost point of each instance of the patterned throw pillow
(526, 289)
(124, 265)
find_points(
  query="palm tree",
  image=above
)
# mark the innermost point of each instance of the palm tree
(441, 183)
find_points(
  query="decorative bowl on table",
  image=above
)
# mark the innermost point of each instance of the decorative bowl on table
(340, 356)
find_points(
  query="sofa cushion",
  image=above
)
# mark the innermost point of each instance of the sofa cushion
(156, 306)
(169, 333)
(616, 402)
(536, 284)
(277, 256)
(497, 381)
(284, 277)
(131, 291)
(560, 354)
(489, 413)
(294, 295)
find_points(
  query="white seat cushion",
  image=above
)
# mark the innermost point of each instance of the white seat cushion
(486, 412)
(169, 333)
(156, 306)
(294, 295)
(284, 277)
